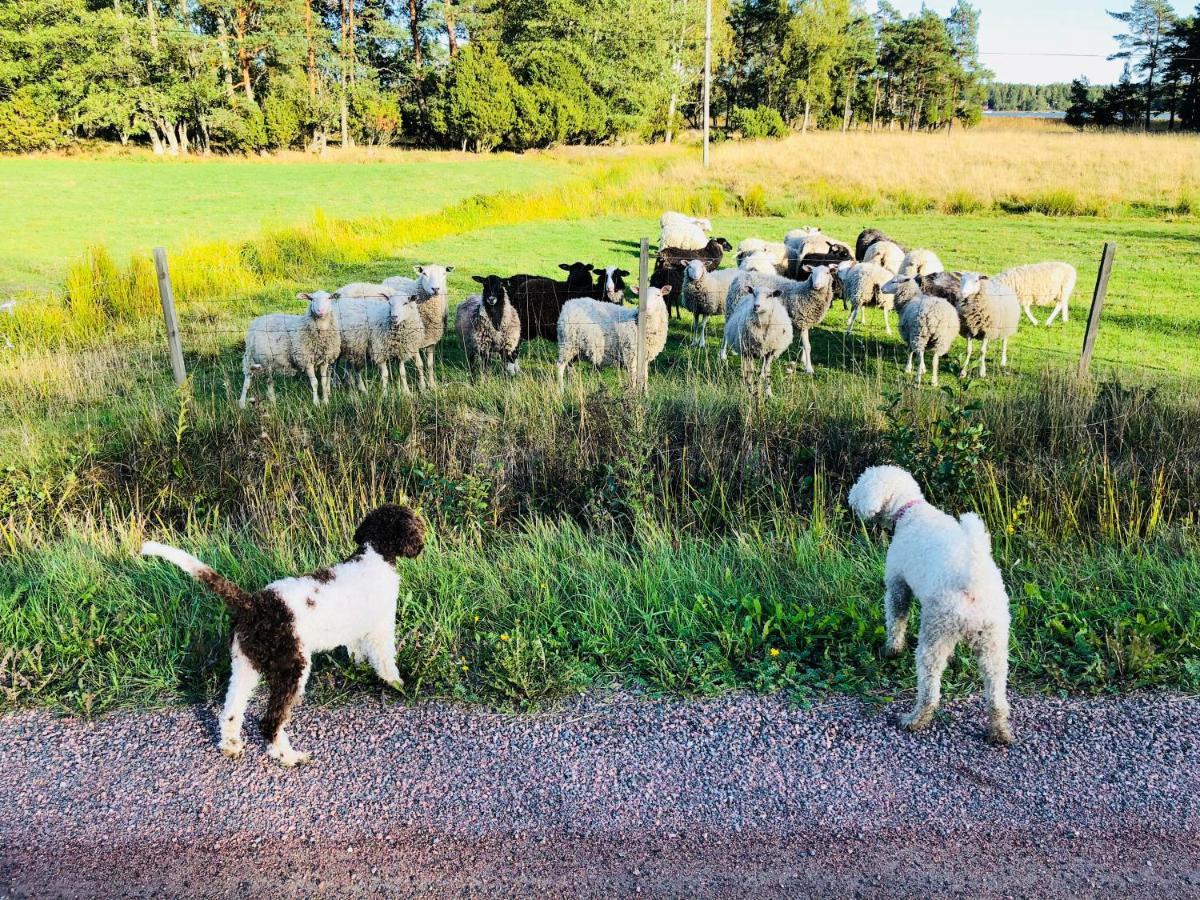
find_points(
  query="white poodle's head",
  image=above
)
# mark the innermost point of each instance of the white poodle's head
(882, 491)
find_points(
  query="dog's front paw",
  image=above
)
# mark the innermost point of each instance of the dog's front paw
(232, 747)
(893, 649)
(999, 734)
(397, 684)
(918, 720)
(290, 758)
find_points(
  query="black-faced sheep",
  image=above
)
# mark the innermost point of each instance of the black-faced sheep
(488, 326)
(671, 262)
(539, 300)
(869, 236)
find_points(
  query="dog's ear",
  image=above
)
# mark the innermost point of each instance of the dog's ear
(392, 531)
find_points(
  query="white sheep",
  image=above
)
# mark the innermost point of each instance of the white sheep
(987, 311)
(760, 330)
(704, 295)
(606, 334)
(862, 285)
(776, 251)
(432, 296)
(802, 242)
(762, 262)
(488, 325)
(885, 254)
(286, 344)
(682, 236)
(920, 262)
(1046, 284)
(670, 218)
(926, 323)
(806, 301)
(375, 332)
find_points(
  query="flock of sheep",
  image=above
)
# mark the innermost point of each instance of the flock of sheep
(777, 290)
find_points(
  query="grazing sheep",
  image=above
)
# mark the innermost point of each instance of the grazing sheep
(362, 290)
(670, 263)
(947, 564)
(799, 234)
(539, 300)
(870, 236)
(926, 323)
(987, 311)
(810, 248)
(777, 251)
(704, 294)
(290, 344)
(606, 334)
(432, 296)
(670, 218)
(886, 254)
(760, 329)
(862, 285)
(682, 236)
(376, 332)
(488, 325)
(1046, 284)
(920, 262)
(762, 263)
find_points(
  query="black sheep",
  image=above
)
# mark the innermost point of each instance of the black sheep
(869, 236)
(671, 262)
(539, 300)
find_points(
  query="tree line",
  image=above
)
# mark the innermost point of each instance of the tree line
(186, 76)
(1030, 97)
(1161, 76)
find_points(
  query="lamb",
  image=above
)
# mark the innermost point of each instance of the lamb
(704, 294)
(886, 254)
(289, 344)
(759, 329)
(869, 236)
(539, 300)
(376, 332)
(926, 323)
(862, 284)
(989, 312)
(920, 262)
(670, 263)
(432, 296)
(776, 251)
(487, 324)
(1046, 284)
(607, 334)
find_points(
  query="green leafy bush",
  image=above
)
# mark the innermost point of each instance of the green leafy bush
(760, 122)
(28, 122)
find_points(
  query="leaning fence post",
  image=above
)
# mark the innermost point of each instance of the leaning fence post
(1093, 323)
(172, 320)
(642, 362)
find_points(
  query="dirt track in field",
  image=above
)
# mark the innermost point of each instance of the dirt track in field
(611, 796)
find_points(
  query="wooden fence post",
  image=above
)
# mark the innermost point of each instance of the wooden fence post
(642, 363)
(167, 296)
(1093, 323)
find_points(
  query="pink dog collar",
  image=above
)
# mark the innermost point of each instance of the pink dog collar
(905, 508)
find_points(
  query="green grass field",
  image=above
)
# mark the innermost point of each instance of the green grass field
(584, 537)
(53, 209)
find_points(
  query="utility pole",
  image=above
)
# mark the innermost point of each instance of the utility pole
(707, 71)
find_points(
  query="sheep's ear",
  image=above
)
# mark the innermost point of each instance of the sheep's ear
(449, 269)
(303, 296)
(664, 290)
(478, 278)
(623, 273)
(420, 270)
(635, 290)
(564, 267)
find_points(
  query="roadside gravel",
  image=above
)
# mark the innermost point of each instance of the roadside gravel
(610, 796)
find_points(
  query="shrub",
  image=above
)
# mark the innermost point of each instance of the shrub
(28, 122)
(760, 122)
(479, 99)
(241, 128)
(375, 114)
(282, 120)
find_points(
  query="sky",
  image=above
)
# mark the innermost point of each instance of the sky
(1011, 32)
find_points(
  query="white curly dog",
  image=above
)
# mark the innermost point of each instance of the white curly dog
(947, 564)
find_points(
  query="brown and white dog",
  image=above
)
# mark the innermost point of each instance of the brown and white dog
(277, 630)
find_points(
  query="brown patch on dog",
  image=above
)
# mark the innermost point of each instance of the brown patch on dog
(323, 576)
(310, 602)
(266, 633)
(391, 531)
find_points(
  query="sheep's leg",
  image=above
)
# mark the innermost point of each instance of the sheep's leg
(921, 367)
(1004, 353)
(271, 387)
(766, 374)
(908, 368)
(324, 375)
(311, 372)
(983, 359)
(245, 389)
(1066, 309)
(404, 378)
(937, 361)
(419, 364)
(383, 377)
(510, 364)
(887, 323)
(1030, 315)
(853, 318)
(967, 361)
(808, 366)
(562, 371)
(1058, 308)
(429, 366)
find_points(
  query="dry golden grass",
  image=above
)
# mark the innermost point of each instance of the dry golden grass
(964, 171)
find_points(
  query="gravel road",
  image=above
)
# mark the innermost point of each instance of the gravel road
(611, 796)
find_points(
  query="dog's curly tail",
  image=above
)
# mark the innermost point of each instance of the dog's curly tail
(237, 599)
(977, 534)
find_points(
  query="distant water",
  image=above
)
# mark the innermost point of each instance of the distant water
(1018, 114)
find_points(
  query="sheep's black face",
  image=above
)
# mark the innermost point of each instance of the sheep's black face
(493, 296)
(723, 244)
(579, 276)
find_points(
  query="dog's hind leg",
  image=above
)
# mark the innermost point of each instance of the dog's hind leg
(897, 600)
(380, 649)
(243, 679)
(992, 652)
(287, 687)
(934, 647)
